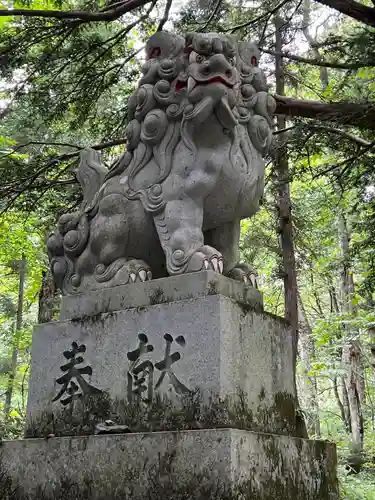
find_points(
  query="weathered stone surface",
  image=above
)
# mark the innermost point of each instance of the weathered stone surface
(199, 128)
(164, 290)
(207, 464)
(217, 345)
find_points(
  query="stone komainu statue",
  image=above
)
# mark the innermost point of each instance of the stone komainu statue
(199, 127)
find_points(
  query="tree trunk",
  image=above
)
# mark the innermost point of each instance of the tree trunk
(345, 404)
(343, 412)
(284, 205)
(309, 384)
(47, 298)
(352, 359)
(372, 347)
(353, 386)
(285, 227)
(15, 340)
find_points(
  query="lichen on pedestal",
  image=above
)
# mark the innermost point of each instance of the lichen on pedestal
(166, 414)
(220, 464)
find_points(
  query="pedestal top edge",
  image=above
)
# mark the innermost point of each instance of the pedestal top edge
(232, 432)
(164, 290)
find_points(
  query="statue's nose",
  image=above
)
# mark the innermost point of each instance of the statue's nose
(218, 64)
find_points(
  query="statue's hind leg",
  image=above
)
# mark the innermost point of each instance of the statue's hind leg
(226, 239)
(117, 251)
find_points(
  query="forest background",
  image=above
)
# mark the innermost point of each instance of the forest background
(67, 68)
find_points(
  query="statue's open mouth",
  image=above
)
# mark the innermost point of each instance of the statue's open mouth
(191, 83)
(180, 85)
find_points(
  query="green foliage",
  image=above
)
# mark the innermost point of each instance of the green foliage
(357, 487)
(19, 238)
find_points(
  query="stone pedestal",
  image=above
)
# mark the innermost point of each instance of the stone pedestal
(194, 356)
(222, 464)
(200, 332)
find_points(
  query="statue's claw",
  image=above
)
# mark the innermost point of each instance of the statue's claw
(138, 271)
(206, 258)
(141, 275)
(123, 271)
(243, 272)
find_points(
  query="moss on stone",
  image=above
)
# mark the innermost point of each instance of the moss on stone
(189, 412)
(262, 394)
(285, 408)
(324, 474)
(158, 297)
(87, 318)
(162, 484)
(212, 288)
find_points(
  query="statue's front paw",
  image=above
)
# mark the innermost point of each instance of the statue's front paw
(123, 271)
(244, 273)
(205, 258)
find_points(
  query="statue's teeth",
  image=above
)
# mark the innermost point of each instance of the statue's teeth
(253, 279)
(221, 266)
(245, 280)
(133, 277)
(143, 275)
(206, 264)
(214, 263)
(191, 83)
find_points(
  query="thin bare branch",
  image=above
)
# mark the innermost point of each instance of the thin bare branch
(212, 16)
(331, 130)
(46, 143)
(165, 17)
(84, 16)
(265, 15)
(343, 133)
(317, 62)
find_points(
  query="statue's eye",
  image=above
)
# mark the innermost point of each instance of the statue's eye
(194, 57)
(155, 52)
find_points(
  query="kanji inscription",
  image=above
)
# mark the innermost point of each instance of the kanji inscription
(141, 373)
(73, 382)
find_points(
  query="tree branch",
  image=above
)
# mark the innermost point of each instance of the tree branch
(317, 62)
(343, 133)
(165, 17)
(359, 115)
(353, 9)
(213, 14)
(324, 128)
(259, 18)
(109, 15)
(97, 147)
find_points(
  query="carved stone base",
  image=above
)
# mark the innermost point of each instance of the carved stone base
(166, 339)
(218, 464)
